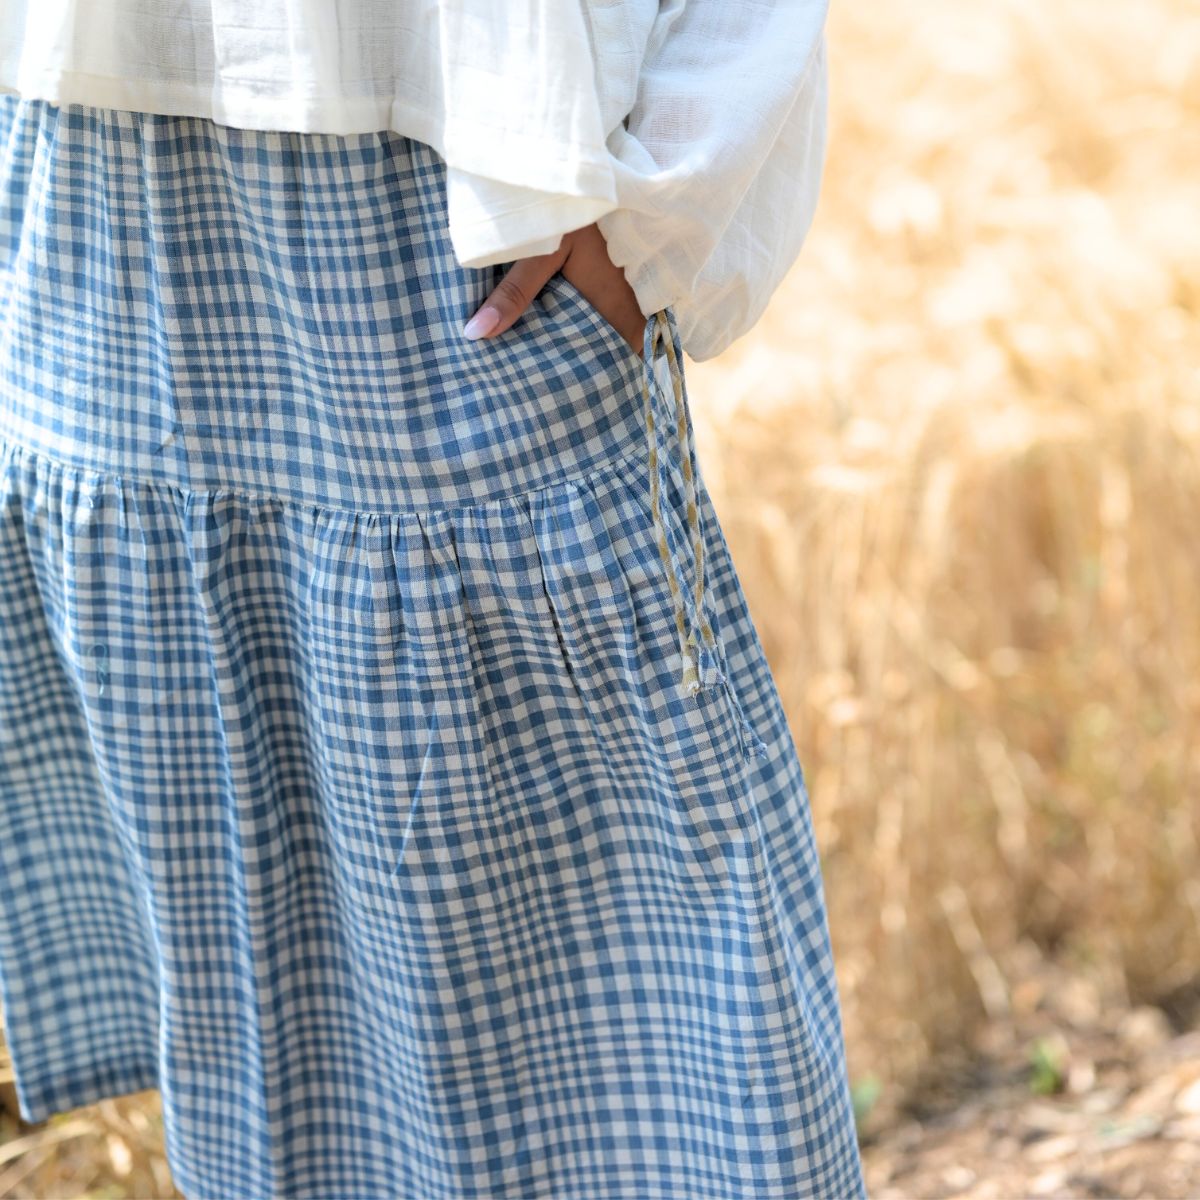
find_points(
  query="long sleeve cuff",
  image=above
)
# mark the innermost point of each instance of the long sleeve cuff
(493, 222)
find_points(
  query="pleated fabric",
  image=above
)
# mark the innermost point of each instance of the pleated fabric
(354, 788)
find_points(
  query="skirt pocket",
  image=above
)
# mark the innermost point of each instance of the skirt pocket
(707, 746)
(701, 749)
(581, 310)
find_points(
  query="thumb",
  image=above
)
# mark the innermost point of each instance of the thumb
(513, 294)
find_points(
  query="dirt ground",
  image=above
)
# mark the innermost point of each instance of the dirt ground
(1069, 1096)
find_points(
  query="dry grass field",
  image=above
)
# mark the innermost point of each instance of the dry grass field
(959, 466)
(958, 462)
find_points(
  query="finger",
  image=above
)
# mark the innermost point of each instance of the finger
(512, 295)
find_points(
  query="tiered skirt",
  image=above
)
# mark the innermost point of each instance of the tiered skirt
(375, 781)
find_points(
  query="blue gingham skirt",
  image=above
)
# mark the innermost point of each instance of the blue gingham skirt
(390, 769)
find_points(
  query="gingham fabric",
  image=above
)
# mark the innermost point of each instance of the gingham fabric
(390, 770)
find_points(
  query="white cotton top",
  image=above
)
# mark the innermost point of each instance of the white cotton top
(691, 131)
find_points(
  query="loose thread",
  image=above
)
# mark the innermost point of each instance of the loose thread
(99, 651)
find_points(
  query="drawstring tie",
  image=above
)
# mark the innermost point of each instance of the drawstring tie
(702, 657)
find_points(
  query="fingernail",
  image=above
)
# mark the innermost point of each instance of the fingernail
(483, 322)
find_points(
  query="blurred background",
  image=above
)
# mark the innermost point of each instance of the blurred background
(958, 463)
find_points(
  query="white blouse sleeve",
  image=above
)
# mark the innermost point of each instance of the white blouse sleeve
(523, 130)
(706, 190)
(720, 161)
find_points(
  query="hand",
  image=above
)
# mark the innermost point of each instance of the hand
(582, 257)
